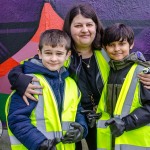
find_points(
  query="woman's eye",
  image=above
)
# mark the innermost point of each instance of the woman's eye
(78, 26)
(89, 25)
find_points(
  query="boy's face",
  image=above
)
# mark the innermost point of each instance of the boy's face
(118, 50)
(53, 58)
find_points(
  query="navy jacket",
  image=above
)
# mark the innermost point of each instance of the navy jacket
(19, 113)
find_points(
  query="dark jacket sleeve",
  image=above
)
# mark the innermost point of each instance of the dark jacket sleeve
(80, 118)
(20, 123)
(18, 80)
(140, 116)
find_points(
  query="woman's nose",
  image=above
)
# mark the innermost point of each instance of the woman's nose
(84, 29)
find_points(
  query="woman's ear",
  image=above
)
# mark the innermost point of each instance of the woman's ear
(68, 54)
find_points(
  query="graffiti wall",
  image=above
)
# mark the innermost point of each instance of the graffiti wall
(21, 23)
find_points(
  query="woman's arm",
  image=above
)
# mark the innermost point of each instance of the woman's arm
(145, 79)
(18, 80)
(22, 83)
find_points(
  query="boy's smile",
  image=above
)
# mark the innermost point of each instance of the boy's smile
(118, 50)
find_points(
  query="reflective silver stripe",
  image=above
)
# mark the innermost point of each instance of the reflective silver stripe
(105, 55)
(129, 97)
(130, 147)
(101, 124)
(65, 126)
(49, 135)
(52, 135)
(101, 149)
(14, 140)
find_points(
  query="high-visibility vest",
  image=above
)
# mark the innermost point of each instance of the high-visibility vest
(46, 116)
(102, 60)
(128, 101)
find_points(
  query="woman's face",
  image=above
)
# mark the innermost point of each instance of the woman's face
(83, 31)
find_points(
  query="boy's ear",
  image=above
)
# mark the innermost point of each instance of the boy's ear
(104, 47)
(132, 46)
(39, 53)
(68, 54)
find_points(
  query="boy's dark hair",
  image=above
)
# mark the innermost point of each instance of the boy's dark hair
(55, 37)
(88, 12)
(117, 32)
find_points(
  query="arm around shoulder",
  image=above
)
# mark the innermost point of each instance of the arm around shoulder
(18, 80)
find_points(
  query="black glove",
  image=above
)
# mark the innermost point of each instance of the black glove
(91, 116)
(117, 126)
(49, 144)
(74, 134)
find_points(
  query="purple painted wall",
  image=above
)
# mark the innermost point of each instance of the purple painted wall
(135, 13)
(20, 19)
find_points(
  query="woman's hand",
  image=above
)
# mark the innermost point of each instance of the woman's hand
(145, 79)
(31, 90)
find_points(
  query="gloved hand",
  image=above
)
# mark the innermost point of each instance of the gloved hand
(117, 126)
(91, 116)
(49, 144)
(74, 134)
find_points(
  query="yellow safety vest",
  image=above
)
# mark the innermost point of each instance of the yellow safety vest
(46, 117)
(128, 101)
(102, 60)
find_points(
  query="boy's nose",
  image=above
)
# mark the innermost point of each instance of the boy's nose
(53, 58)
(117, 48)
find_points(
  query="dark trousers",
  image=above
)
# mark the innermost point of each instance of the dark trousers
(90, 139)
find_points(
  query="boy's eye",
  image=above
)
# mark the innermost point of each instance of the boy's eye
(48, 53)
(110, 45)
(122, 43)
(59, 54)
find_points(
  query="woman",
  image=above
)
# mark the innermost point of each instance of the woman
(87, 65)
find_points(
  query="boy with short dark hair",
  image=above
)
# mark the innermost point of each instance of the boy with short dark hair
(125, 102)
(55, 120)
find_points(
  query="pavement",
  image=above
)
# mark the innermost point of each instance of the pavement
(4, 141)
